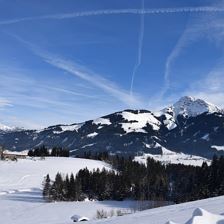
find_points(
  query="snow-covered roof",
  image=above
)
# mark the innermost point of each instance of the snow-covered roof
(22, 153)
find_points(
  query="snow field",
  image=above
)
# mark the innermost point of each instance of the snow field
(29, 173)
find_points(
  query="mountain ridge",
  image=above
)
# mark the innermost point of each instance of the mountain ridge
(186, 105)
(197, 129)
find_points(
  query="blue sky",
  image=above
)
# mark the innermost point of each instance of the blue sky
(70, 61)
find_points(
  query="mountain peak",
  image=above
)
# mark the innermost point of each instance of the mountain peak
(5, 128)
(187, 99)
(191, 107)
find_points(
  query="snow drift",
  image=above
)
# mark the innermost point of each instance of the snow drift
(201, 216)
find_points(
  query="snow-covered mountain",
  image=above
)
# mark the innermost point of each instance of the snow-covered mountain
(190, 126)
(6, 128)
(188, 106)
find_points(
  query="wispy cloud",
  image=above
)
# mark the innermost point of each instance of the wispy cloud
(140, 47)
(34, 103)
(203, 26)
(154, 11)
(83, 73)
(182, 42)
(88, 76)
(28, 91)
(72, 92)
(211, 87)
(5, 103)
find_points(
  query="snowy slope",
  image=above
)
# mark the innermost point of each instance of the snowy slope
(102, 121)
(29, 208)
(21, 201)
(29, 173)
(170, 157)
(136, 122)
(63, 128)
(73, 127)
(179, 214)
(26, 208)
(202, 216)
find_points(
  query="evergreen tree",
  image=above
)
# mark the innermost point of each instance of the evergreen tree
(72, 188)
(47, 187)
(66, 187)
(155, 181)
(57, 192)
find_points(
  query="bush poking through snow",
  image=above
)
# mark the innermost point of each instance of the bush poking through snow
(101, 214)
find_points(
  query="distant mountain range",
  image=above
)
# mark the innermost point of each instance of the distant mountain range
(190, 126)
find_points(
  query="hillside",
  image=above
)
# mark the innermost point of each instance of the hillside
(190, 126)
(21, 199)
(180, 214)
(28, 174)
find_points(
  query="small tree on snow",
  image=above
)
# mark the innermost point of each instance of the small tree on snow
(46, 187)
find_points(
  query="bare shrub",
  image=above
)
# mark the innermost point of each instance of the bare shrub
(101, 214)
(119, 213)
(112, 213)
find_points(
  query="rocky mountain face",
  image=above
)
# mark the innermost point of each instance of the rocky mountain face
(190, 126)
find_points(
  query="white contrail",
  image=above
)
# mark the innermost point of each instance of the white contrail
(83, 73)
(116, 11)
(171, 58)
(4, 103)
(186, 37)
(88, 76)
(140, 46)
(190, 34)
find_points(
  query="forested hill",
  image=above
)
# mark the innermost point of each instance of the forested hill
(191, 126)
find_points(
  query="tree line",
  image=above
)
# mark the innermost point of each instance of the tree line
(43, 151)
(130, 179)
